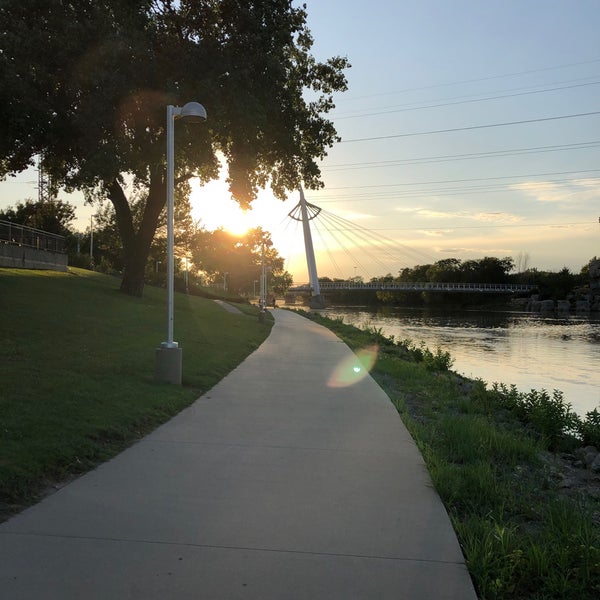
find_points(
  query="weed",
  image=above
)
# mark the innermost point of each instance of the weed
(589, 429)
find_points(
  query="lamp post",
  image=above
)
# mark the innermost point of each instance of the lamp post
(169, 355)
(92, 242)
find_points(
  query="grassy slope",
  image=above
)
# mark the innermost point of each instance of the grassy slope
(77, 368)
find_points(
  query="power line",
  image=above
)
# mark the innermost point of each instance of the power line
(427, 193)
(467, 156)
(512, 225)
(469, 101)
(467, 180)
(487, 126)
(477, 80)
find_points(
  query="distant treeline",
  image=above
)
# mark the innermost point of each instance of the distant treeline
(550, 285)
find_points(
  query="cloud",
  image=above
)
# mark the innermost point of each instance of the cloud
(487, 251)
(435, 232)
(543, 191)
(500, 217)
(435, 214)
(549, 191)
(358, 216)
(594, 184)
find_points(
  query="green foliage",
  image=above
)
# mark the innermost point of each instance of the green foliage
(589, 429)
(85, 85)
(549, 416)
(53, 216)
(220, 254)
(484, 270)
(494, 556)
(440, 360)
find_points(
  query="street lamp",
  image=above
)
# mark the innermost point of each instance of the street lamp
(169, 355)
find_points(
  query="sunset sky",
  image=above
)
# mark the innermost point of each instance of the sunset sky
(470, 128)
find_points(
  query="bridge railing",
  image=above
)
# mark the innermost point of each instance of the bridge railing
(420, 286)
(21, 235)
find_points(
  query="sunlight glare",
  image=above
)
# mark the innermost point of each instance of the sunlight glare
(213, 207)
(354, 368)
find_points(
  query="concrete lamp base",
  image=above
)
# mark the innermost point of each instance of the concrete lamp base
(168, 364)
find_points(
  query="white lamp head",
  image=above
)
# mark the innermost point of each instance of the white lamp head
(193, 112)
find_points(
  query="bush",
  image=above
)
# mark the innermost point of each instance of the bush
(552, 417)
(589, 429)
(549, 416)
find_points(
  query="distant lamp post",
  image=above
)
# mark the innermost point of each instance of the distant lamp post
(92, 242)
(169, 355)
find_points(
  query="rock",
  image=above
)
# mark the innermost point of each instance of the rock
(563, 306)
(587, 455)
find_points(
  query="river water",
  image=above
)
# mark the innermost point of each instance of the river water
(531, 351)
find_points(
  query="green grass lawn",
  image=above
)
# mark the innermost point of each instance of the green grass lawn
(77, 370)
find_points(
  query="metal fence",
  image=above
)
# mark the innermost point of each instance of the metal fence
(420, 286)
(21, 235)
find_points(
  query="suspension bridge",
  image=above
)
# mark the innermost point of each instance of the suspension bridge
(306, 212)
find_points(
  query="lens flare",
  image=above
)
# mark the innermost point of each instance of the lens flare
(354, 368)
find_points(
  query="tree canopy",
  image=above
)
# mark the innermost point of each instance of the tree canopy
(85, 83)
(52, 216)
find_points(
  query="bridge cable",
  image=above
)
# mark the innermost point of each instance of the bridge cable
(363, 243)
(342, 246)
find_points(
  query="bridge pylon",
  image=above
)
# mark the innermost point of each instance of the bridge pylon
(305, 212)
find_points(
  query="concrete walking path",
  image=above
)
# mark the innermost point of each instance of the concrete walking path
(278, 484)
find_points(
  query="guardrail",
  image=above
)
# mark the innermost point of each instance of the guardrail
(420, 286)
(21, 235)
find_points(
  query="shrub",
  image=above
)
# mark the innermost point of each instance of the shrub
(589, 429)
(552, 417)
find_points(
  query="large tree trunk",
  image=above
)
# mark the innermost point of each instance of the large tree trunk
(136, 244)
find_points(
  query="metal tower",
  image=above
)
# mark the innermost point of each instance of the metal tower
(46, 193)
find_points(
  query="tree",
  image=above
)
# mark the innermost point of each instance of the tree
(84, 84)
(446, 270)
(52, 216)
(416, 273)
(221, 254)
(487, 270)
(281, 282)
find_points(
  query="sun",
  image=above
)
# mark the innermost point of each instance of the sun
(213, 207)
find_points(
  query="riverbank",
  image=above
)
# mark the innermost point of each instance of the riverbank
(529, 350)
(507, 466)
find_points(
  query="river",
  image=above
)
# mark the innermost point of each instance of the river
(531, 351)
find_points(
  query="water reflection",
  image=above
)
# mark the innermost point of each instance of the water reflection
(530, 351)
